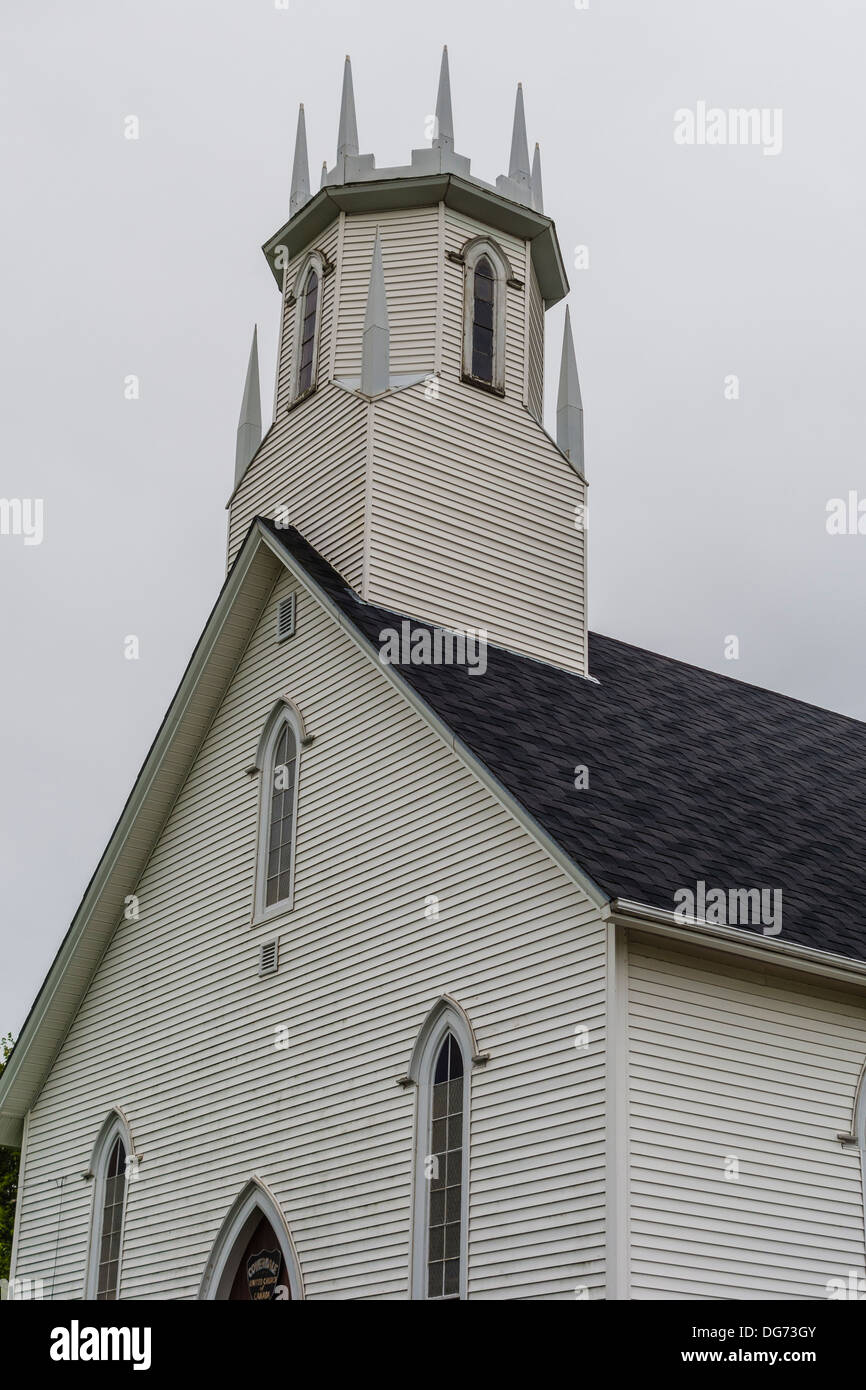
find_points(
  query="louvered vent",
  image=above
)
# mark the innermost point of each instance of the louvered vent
(269, 956)
(286, 618)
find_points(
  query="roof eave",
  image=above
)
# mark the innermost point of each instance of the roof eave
(426, 190)
(625, 912)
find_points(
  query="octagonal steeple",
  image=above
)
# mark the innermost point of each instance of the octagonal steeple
(408, 442)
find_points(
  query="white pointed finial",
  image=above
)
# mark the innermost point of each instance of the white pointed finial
(444, 117)
(347, 137)
(569, 406)
(324, 178)
(537, 195)
(518, 167)
(300, 168)
(376, 353)
(250, 422)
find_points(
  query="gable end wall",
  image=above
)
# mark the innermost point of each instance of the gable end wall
(178, 1029)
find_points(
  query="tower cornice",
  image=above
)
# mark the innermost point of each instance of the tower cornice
(394, 193)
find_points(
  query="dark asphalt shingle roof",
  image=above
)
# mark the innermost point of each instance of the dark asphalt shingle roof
(692, 775)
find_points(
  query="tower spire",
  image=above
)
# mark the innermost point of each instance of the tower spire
(300, 193)
(569, 406)
(444, 117)
(347, 136)
(518, 167)
(537, 195)
(376, 350)
(250, 422)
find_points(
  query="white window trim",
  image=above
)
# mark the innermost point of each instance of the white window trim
(315, 262)
(446, 1016)
(860, 1133)
(472, 254)
(284, 712)
(253, 1202)
(115, 1126)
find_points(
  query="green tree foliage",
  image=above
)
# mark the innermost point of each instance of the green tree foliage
(8, 1181)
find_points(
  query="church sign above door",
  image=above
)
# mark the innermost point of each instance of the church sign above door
(263, 1271)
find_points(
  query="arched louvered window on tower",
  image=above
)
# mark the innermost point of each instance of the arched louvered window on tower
(484, 296)
(309, 307)
(306, 293)
(441, 1063)
(109, 1163)
(278, 761)
(487, 273)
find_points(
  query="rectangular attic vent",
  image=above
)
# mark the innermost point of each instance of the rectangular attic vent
(286, 618)
(268, 957)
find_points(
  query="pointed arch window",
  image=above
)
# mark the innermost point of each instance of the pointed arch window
(113, 1194)
(278, 761)
(281, 786)
(445, 1205)
(441, 1064)
(487, 274)
(111, 1162)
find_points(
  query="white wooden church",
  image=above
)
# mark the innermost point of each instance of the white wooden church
(445, 972)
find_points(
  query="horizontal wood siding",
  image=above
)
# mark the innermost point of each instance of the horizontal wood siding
(458, 508)
(730, 1060)
(283, 392)
(313, 462)
(473, 521)
(409, 242)
(536, 347)
(178, 1028)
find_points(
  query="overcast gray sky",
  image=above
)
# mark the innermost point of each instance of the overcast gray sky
(122, 257)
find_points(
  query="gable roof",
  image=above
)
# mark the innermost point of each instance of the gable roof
(692, 776)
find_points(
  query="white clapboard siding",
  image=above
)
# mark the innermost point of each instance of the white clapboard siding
(457, 508)
(178, 1028)
(321, 484)
(472, 522)
(409, 240)
(535, 347)
(326, 245)
(729, 1060)
(458, 230)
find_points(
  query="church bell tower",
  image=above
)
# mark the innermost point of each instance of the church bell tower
(407, 443)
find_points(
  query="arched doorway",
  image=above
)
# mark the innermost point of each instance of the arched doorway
(253, 1257)
(261, 1270)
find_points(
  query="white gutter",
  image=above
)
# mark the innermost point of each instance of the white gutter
(768, 949)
